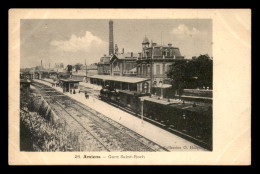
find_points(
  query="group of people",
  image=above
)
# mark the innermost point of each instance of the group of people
(72, 91)
(54, 84)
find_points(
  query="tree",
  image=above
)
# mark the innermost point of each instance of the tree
(38, 68)
(78, 66)
(177, 74)
(191, 73)
(69, 68)
(204, 71)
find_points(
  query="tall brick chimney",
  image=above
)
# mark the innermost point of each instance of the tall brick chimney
(111, 38)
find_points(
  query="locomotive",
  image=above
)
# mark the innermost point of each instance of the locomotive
(108, 93)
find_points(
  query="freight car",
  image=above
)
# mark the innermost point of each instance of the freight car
(186, 118)
(190, 119)
(125, 98)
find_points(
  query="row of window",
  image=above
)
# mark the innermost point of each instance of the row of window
(146, 69)
(159, 52)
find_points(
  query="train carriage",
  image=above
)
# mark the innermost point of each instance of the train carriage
(184, 117)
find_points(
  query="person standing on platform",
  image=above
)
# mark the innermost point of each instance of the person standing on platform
(86, 94)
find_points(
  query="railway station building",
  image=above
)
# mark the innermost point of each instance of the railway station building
(103, 66)
(26, 75)
(123, 64)
(154, 62)
(69, 84)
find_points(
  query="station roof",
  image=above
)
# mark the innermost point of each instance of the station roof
(163, 86)
(127, 56)
(64, 73)
(69, 80)
(25, 81)
(26, 72)
(120, 78)
(47, 71)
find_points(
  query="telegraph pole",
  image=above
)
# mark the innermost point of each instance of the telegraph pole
(151, 70)
(86, 72)
(161, 37)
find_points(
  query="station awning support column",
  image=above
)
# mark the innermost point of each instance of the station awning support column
(142, 109)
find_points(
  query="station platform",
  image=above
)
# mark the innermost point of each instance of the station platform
(158, 135)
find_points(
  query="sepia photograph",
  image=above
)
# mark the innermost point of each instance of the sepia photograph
(75, 73)
(119, 85)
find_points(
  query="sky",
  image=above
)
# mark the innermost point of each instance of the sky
(71, 41)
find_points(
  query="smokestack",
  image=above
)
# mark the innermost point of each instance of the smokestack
(111, 38)
(41, 62)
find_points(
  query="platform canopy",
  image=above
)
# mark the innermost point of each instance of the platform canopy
(25, 81)
(163, 86)
(120, 78)
(70, 80)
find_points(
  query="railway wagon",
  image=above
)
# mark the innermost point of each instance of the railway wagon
(131, 100)
(125, 98)
(190, 119)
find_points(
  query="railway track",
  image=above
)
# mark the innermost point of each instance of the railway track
(71, 126)
(161, 124)
(110, 134)
(120, 132)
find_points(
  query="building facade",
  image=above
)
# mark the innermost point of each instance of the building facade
(103, 66)
(155, 61)
(123, 64)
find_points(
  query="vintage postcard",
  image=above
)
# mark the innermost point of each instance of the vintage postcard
(129, 87)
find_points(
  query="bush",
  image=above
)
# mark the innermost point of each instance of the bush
(47, 136)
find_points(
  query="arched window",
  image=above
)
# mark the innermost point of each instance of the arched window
(167, 68)
(158, 69)
(171, 52)
(168, 53)
(138, 70)
(148, 69)
(143, 68)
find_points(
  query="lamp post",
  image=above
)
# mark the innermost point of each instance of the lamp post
(151, 69)
(142, 108)
(86, 73)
